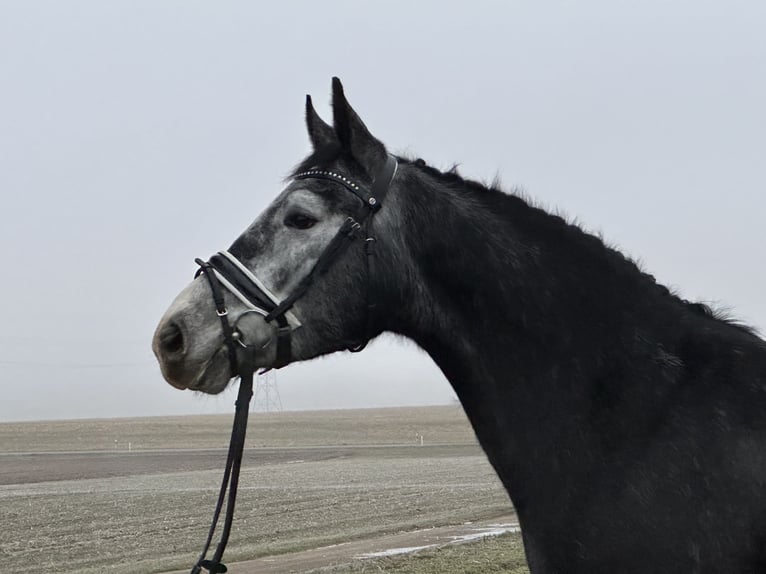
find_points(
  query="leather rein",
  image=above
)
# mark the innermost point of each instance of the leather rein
(224, 272)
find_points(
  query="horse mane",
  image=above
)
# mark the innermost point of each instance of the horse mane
(500, 199)
(504, 201)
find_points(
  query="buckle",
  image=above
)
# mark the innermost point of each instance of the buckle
(353, 226)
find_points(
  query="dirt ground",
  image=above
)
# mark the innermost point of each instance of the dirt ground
(27, 468)
(143, 510)
(405, 425)
(330, 557)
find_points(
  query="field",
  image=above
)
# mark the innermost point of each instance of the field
(491, 555)
(136, 495)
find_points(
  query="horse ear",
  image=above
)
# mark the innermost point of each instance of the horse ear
(321, 134)
(353, 135)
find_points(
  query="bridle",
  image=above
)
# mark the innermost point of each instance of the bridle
(225, 272)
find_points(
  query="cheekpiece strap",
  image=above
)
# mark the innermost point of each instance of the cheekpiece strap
(220, 308)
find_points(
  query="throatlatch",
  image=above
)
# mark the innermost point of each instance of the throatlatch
(224, 271)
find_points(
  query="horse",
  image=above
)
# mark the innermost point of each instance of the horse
(628, 425)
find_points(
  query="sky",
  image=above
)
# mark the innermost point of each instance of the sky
(137, 135)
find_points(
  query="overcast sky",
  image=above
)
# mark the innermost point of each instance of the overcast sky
(137, 135)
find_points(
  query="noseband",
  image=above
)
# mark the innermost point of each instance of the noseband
(225, 271)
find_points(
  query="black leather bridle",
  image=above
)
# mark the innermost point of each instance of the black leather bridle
(224, 272)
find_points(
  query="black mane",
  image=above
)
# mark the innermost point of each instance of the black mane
(493, 197)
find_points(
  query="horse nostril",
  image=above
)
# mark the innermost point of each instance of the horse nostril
(172, 339)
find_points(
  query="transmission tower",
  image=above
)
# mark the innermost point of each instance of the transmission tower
(266, 398)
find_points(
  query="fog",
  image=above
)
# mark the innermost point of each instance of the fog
(135, 136)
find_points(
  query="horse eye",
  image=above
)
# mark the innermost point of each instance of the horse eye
(300, 221)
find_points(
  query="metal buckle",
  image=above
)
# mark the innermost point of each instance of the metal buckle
(353, 227)
(222, 313)
(353, 222)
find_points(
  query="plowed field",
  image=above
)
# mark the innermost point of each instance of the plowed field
(136, 495)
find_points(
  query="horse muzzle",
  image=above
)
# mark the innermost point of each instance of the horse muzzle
(190, 346)
(186, 361)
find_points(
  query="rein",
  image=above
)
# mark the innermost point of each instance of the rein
(224, 271)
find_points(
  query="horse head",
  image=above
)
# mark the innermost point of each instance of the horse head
(297, 283)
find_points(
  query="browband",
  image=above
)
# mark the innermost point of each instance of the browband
(372, 199)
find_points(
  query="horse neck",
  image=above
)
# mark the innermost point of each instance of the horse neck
(521, 312)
